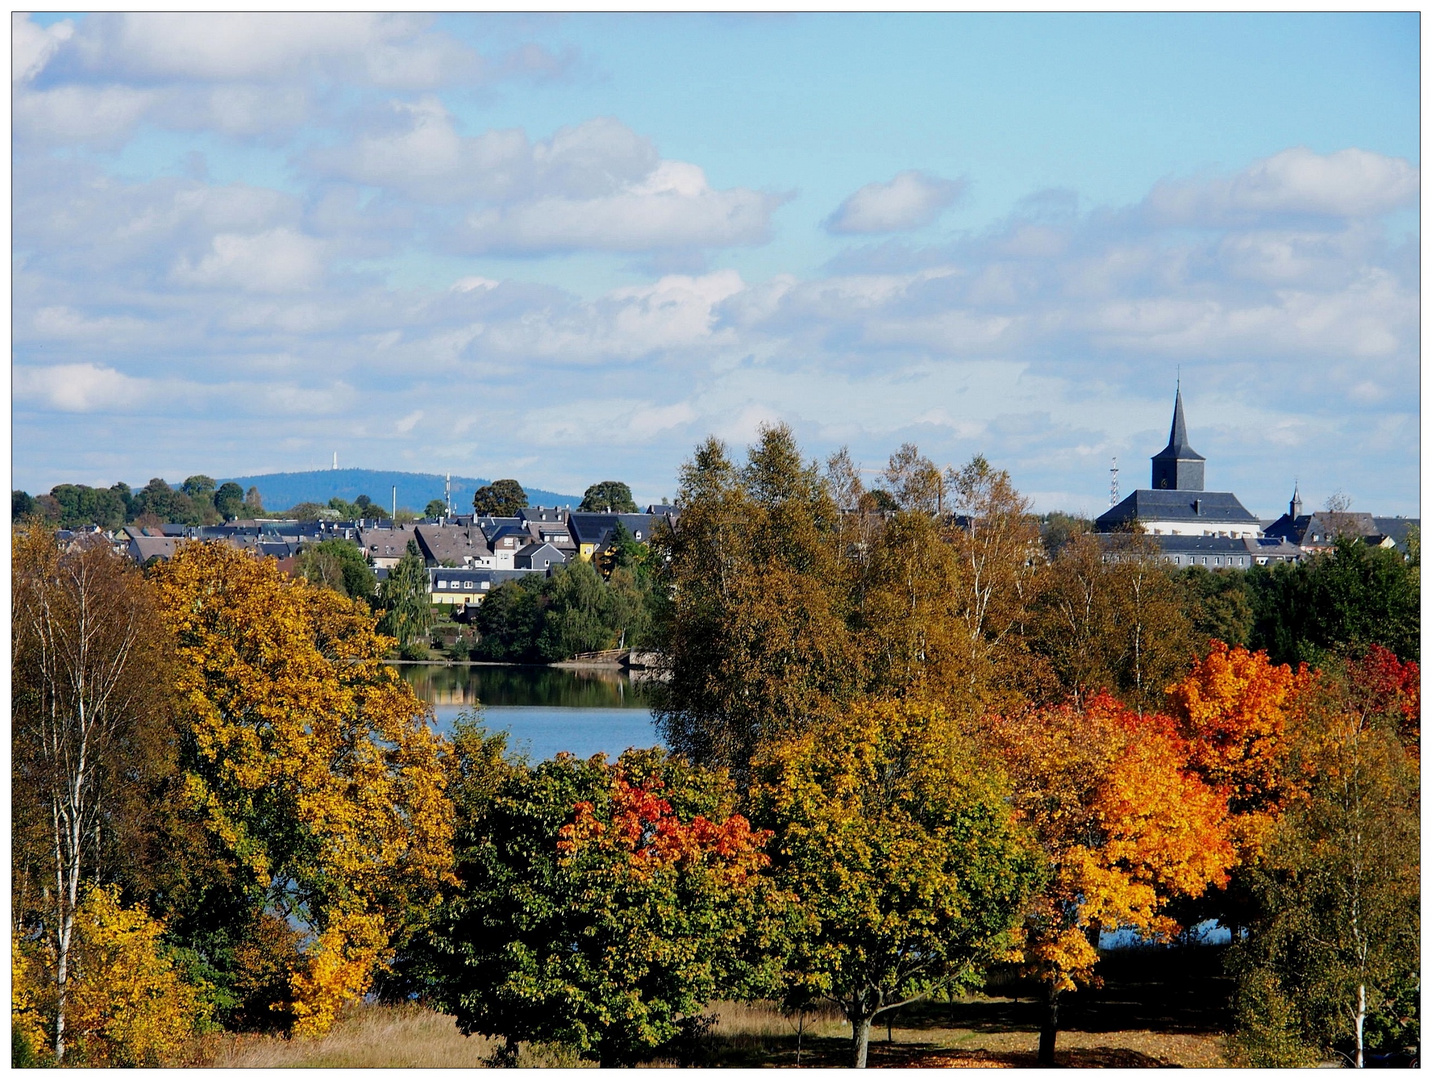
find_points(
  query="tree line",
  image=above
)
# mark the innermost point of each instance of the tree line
(890, 771)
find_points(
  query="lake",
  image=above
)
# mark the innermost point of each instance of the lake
(544, 710)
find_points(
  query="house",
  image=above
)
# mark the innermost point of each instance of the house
(594, 533)
(385, 547)
(454, 545)
(458, 586)
(1319, 530)
(538, 557)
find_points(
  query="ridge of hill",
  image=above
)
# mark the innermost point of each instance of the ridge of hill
(279, 491)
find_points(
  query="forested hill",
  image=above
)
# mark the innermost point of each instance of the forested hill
(282, 490)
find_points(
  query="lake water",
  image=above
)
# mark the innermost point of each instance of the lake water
(544, 710)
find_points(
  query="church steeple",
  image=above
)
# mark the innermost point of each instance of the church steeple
(1178, 465)
(1295, 504)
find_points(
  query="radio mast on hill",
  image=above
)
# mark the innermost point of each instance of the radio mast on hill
(1114, 483)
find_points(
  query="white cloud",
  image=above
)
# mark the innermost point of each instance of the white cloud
(910, 200)
(407, 423)
(31, 46)
(276, 261)
(674, 208)
(77, 387)
(1347, 183)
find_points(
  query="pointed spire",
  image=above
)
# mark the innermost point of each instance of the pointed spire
(1295, 504)
(1178, 432)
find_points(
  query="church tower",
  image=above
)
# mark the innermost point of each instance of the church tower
(1295, 504)
(1178, 466)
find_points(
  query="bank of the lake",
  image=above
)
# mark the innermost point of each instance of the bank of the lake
(545, 709)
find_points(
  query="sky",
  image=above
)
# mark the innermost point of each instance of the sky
(569, 248)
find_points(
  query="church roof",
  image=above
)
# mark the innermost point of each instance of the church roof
(1178, 447)
(1206, 507)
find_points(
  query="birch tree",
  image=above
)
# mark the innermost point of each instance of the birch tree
(87, 650)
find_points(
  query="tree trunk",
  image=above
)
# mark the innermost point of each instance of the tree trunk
(1361, 1018)
(1049, 1027)
(860, 1039)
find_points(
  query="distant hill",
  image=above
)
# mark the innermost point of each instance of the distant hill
(280, 491)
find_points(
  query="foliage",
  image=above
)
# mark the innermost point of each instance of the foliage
(81, 505)
(158, 499)
(901, 848)
(1353, 595)
(1217, 604)
(1238, 713)
(601, 906)
(229, 500)
(757, 633)
(128, 1005)
(436, 508)
(310, 766)
(1332, 959)
(501, 498)
(408, 611)
(574, 616)
(1126, 826)
(1107, 616)
(22, 505)
(338, 565)
(89, 695)
(609, 496)
(509, 622)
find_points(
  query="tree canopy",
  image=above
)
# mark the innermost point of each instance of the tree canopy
(501, 498)
(608, 496)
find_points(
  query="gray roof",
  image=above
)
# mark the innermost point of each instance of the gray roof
(451, 543)
(596, 528)
(1178, 447)
(1255, 548)
(1203, 507)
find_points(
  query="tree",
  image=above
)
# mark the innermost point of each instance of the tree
(501, 498)
(436, 508)
(757, 631)
(609, 496)
(407, 611)
(914, 482)
(997, 542)
(253, 503)
(163, 502)
(1332, 962)
(81, 505)
(128, 1004)
(229, 500)
(575, 616)
(310, 767)
(600, 906)
(1217, 605)
(340, 565)
(901, 847)
(89, 658)
(509, 621)
(1126, 827)
(1353, 595)
(22, 505)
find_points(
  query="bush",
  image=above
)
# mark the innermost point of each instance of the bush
(414, 650)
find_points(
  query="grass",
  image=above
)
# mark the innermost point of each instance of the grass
(1156, 1009)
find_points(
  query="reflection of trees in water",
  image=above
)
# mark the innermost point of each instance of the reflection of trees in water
(500, 685)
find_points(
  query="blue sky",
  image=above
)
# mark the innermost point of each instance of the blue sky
(567, 248)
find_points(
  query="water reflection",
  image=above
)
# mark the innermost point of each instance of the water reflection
(501, 685)
(545, 710)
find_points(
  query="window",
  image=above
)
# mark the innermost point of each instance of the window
(442, 584)
(1217, 561)
(638, 534)
(467, 584)
(484, 584)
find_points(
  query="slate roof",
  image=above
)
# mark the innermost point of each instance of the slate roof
(449, 543)
(596, 528)
(1211, 508)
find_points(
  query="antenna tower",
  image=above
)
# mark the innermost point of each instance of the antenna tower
(447, 493)
(1114, 483)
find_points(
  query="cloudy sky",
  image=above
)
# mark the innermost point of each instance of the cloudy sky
(567, 249)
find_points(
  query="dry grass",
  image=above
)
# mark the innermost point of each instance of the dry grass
(379, 1036)
(370, 1037)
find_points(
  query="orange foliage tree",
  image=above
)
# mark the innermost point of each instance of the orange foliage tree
(1236, 711)
(311, 765)
(1127, 826)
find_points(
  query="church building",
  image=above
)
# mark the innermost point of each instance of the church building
(1193, 526)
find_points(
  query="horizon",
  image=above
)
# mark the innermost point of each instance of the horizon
(502, 245)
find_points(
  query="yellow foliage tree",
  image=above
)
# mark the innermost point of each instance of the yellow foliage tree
(127, 1005)
(310, 762)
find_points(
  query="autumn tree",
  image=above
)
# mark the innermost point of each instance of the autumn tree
(89, 659)
(757, 635)
(1331, 962)
(501, 498)
(600, 906)
(1126, 826)
(128, 1003)
(900, 845)
(996, 540)
(914, 482)
(311, 768)
(609, 496)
